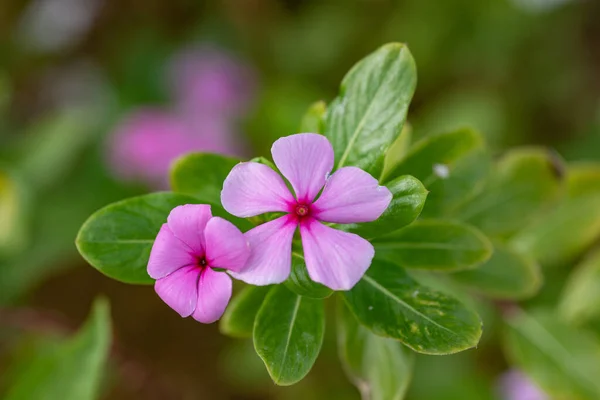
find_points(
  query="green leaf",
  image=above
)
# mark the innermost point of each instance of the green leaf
(506, 275)
(439, 150)
(572, 226)
(265, 161)
(380, 368)
(581, 296)
(368, 115)
(312, 121)
(72, 370)
(563, 233)
(201, 175)
(391, 304)
(398, 149)
(117, 239)
(563, 361)
(434, 245)
(300, 283)
(583, 178)
(288, 333)
(525, 182)
(238, 320)
(466, 178)
(408, 200)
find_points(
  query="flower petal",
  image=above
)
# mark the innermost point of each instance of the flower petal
(179, 290)
(251, 189)
(188, 222)
(305, 160)
(168, 254)
(226, 246)
(271, 252)
(334, 258)
(214, 292)
(350, 196)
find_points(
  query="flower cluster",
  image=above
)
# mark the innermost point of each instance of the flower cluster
(184, 251)
(211, 90)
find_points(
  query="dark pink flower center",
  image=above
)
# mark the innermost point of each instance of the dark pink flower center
(302, 210)
(202, 263)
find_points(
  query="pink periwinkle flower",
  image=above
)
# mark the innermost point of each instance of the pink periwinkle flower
(184, 256)
(147, 141)
(209, 80)
(334, 258)
(514, 385)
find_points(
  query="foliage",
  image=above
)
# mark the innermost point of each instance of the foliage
(479, 234)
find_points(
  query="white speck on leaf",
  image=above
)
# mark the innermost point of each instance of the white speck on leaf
(370, 308)
(441, 170)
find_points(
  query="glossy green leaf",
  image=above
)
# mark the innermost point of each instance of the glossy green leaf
(398, 149)
(117, 239)
(506, 275)
(201, 175)
(300, 283)
(288, 333)
(426, 156)
(563, 361)
(571, 227)
(238, 320)
(408, 200)
(368, 115)
(581, 296)
(465, 179)
(312, 121)
(434, 245)
(391, 304)
(524, 183)
(379, 367)
(71, 370)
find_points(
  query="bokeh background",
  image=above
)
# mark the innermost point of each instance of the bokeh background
(98, 96)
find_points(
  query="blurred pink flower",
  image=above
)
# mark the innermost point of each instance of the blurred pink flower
(334, 258)
(211, 90)
(186, 250)
(205, 80)
(148, 140)
(514, 385)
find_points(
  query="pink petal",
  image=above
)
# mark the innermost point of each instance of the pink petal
(271, 252)
(334, 258)
(305, 160)
(226, 246)
(168, 254)
(188, 222)
(179, 290)
(214, 292)
(350, 196)
(251, 189)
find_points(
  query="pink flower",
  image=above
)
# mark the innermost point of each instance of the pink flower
(184, 256)
(334, 258)
(147, 141)
(514, 385)
(209, 80)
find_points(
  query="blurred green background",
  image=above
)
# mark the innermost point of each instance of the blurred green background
(73, 72)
